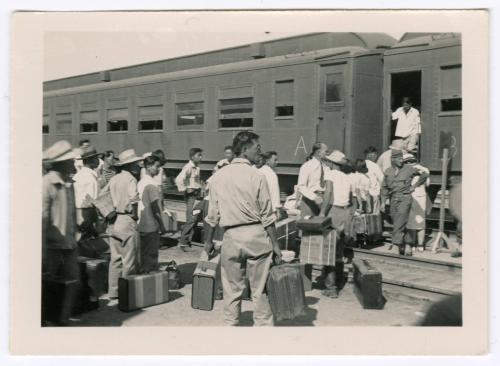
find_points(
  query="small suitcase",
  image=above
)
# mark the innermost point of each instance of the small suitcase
(367, 285)
(170, 221)
(140, 291)
(286, 232)
(58, 299)
(319, 248)
(206, 280)
(315, 223)
(285, 290)
(373, 224)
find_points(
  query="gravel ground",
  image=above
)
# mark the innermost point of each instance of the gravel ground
(399, 309)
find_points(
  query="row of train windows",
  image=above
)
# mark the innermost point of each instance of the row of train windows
(234, 112)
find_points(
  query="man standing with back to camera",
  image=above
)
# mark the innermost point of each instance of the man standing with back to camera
(239, 201)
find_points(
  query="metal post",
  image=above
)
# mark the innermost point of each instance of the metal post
(440, 236)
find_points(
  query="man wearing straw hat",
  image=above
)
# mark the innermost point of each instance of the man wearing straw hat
(59, 253)
(124, 241)
(86, 190)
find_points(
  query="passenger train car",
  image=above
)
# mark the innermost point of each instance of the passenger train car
(338, 88)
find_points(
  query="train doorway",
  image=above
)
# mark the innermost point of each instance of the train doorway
(405, 84)
(332, 99)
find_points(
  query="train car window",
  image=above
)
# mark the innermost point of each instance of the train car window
(89, 121)
(284, 93)
(190, 115)
(45, 125)
(236, 112)
(64, 123)
(150, 118)
(334, 88)
(451, 88)
(117, 120)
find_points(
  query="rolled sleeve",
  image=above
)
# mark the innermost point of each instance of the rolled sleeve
(213, 216)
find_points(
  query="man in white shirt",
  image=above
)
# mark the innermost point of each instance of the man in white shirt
(339, 198)
(228, 157)
(408, 127)
(376, 177)
(150, 224)
(311, 183)
(189, 182)
(86, 189)
(271, 162)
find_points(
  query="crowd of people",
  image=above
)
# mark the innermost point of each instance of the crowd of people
(242, 196)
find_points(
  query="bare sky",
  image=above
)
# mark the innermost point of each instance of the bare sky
(73, 53)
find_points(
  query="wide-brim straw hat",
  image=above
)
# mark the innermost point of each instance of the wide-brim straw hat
(337, 157)
(127, 157)
(60, 151)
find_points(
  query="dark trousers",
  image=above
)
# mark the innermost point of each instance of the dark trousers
(341, 219)
(191, 220)
(400, 210)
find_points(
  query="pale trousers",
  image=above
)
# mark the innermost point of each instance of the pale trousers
(246, 246)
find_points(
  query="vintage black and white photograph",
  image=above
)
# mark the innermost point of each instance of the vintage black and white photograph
(262, 178)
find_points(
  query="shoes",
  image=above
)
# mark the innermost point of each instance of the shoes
(390, 246)
(184, 247)
(420, 248)
(401, 250)
(331, 293)
(112, 302)
(408, 250)
(219, 295)
(456, 254)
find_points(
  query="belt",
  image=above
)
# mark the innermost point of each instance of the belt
(239, 225)
(346, 206)
(124, 213)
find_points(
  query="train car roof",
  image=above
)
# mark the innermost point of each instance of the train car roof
(276, 47)
(292, 59)
(411, 41)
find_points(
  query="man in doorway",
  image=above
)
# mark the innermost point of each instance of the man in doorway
(268, 169)
(189, 182)
(228, 157)
(239, 202)
(398, 187)
(311, 183)
(408, 126)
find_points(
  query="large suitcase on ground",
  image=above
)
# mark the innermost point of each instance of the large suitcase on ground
(93, 283)
(58, 299)
(286, 233)
(373, 224)
(318, 248)
(206, 283)
(315, 223)
(368, 284)
(285, 290)
(140, 291)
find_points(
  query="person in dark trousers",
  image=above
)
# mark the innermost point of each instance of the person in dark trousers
(189, 182)
(398, 187)
(59, 247)
(239, 202)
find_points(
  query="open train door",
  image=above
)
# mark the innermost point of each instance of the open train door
(332, 100)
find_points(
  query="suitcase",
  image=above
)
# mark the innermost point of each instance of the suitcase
(285, 290)
(140, 291)
(93, 282)
(58, 299)
(318, 248)
(315, 223)
(286, 233)
(373, 224)
(367, 285)
(206, 281)
(170, 221)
